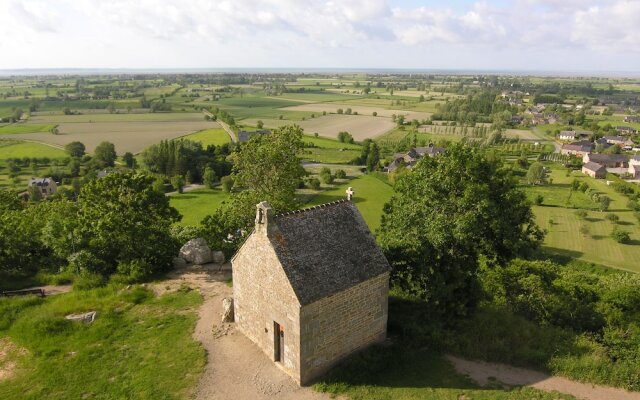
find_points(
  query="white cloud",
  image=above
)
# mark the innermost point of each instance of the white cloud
(364, 33)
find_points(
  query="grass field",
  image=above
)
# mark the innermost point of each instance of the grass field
(215, 136)
(360, 109)
(564, 235)
(20, 149)
(23, 128)
(370, 196)
(59, 118)
(127, 136)
(138, 346)
(197, 204)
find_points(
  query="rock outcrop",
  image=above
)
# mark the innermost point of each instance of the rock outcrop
(196, 251)
(227, 309)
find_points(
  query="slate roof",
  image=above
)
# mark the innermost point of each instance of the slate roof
(583, 146)
(326, 249)
(244, 136)
(429, 150)
(608, 158)
(591, 166)
(40, 182)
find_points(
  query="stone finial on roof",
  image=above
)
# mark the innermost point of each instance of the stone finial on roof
(264, 213)
(349, 192)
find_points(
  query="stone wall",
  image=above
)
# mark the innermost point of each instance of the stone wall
(262, 294)
(338, 325)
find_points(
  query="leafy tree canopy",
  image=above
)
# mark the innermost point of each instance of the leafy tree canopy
(446, 215)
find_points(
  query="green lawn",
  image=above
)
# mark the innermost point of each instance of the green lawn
(329, 156)
(370, 196)
(197, 204)
(138, 347)
(327, 143)
(24, 128)
(19, 149)
(215, 136)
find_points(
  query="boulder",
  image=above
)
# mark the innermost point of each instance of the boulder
(227, 309)
(218, 257)
(196, 251)
(87, 317)
(179, 262)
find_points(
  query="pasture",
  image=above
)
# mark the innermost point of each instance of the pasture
(197, 204)
(59, 118)
(21, 127)
(128, 351)
(215, 136)
(126, 136)
(21, 149)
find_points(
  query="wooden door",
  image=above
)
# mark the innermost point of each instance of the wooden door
(278, 342)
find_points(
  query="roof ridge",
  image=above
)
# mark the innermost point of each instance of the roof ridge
(316, 207)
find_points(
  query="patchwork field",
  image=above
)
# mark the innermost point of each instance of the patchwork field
(21, 149)
(359, 126)
(215, 136)
(127, 136)
(363, 110)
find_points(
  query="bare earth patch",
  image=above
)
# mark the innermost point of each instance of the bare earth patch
(133, 136)
(8, 352)
(485, 373)
(236, 368)
(362, 110)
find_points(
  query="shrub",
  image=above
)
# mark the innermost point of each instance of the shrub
(227, 183)
(340, 111)
(613, 218)
(135, 270)
(538, 199)
(620, 236)
(88, 280)
(314, 183)
(582, 214)
(340, 174)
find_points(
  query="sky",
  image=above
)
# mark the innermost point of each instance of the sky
(498, 35)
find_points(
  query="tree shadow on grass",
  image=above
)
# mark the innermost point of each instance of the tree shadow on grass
(625, 223)
(633, 243)
(592, 219)
(598, 237)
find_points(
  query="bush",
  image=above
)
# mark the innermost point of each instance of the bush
(620, 236)
(135, 270)
(538, 200)
(88, 280)
(314, 183)
(340, 174)
(582, 214)
(227, 183)
(613, 218)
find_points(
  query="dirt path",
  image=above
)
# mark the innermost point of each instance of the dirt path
(236, 368)
(484, 372)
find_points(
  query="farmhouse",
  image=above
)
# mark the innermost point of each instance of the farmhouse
(626, 130)
(607, 160)
(47, 186)
(632, 118)
(410, 158)
(578, 148)
(617, 140)
(567, 135)
(594, 170)
(311, 287)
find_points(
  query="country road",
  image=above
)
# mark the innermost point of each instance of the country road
(224, 126)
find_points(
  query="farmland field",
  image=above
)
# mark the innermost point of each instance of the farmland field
(359, 126)
(58, 118)
(20, 149)
(23, 128)
(362, 110)
(127, 136)
(215, 136)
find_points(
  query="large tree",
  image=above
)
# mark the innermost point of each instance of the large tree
(122, 220)
(268, 166)
(449, 213)
(75, 149)
(265, 168)
(105, 154)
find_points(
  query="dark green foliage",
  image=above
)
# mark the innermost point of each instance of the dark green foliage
(75, 149)
(340, 174)
(105, 154)
(345, 137)
(227, 183)
(326, 176)
(447, 214)
(209, 177)
(620, 236)
(129, 160)
(267, 168)
(180, 157)
(121, 219)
